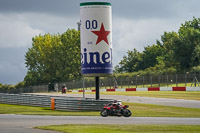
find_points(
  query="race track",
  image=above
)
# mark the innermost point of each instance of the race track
(25, 123)
(137, 99)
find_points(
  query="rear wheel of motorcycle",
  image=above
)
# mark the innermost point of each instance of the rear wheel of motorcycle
(127, 113)
(104, 113)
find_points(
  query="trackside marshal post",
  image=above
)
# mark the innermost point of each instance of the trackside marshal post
(96, 40)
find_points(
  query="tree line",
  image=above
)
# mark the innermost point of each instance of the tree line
(176, 52)
(53, 58)
(56, 58)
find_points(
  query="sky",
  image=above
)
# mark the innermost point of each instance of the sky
(136, 24)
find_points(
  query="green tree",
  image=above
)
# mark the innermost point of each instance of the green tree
(186, 48)
(129, 63)
(53, 58)
(176, 52)
(195, 59)
(149, 56)
(136, 61)
(167, 58)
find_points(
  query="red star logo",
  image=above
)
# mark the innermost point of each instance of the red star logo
(102, 34)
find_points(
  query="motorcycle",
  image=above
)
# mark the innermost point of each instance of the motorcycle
(115, 109)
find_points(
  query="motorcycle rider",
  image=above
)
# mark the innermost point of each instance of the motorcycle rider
(64, 89)
(115, 108)
(116, 104)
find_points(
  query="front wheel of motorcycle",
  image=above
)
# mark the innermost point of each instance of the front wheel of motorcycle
(127, 113)
(104, 113)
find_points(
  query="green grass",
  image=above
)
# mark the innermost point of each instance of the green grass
(29, 110)
(74, 128)
(138, 110)
(149, 110)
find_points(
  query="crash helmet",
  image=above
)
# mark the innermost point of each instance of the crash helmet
(115, 101)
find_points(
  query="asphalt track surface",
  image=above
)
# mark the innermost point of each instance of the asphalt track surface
(138, 99)
(25, 123)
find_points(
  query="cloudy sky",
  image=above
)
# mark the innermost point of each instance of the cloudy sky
(136, 23)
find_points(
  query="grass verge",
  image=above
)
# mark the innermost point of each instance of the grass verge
(188, 95)
(150, 110)
(72, 128)
(138, 110)
(29, 110)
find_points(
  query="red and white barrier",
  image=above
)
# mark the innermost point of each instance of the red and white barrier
(145, 89)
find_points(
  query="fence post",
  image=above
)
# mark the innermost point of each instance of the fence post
(186, 75)
(73, 85)
(97, 87)
(176, 81)
(143, 80)
(136, 81)
(159, 80)
(121, 81)
(83, 88)
(151, 80)
(128, 82)
(195, 82)
(167, 80)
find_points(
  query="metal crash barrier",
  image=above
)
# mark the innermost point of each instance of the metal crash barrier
(55, 102)
(80, 104)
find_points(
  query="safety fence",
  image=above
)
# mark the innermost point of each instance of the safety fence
(135, 81)
(60, 102)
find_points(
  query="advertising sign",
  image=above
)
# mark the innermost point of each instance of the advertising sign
(96, 38)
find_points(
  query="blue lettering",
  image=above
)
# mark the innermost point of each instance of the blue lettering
(105, 57)
(96, 58)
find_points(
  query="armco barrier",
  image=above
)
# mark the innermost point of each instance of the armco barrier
(80, 104)
(60, 102)
(26, 99)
